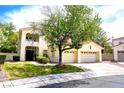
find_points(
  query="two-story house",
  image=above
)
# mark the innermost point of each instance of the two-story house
(32, 44)
(118, 48)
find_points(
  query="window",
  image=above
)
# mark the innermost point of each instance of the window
(45, 51)
(32, 37)
(90, 47)
(121, 42)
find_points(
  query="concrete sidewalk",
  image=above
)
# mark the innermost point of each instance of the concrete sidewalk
(39, 81)
(3, 76)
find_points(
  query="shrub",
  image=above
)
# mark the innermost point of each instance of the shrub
(45, 55)
(16, 58)
(42, 59)
(2, 59)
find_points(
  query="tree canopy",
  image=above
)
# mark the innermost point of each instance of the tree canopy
(67, 27)
(8, 38)
(103, 40)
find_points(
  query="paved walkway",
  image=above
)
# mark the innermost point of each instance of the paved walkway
(3, 77)
(39, 81)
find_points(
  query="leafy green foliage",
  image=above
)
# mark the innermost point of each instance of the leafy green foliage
(103, 40)
(42, 59)
(8, 38)
(76, 23)
(26, 69)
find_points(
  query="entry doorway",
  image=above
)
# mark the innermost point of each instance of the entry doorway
(31, 53)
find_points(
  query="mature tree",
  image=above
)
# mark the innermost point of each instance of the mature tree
(67, 27)
(8, 38)
(103, 40)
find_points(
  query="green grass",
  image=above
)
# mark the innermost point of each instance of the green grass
(26, 69)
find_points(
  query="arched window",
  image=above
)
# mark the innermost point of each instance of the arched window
(28, 36)
(32, 37)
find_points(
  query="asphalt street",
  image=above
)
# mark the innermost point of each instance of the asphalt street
(114, 81)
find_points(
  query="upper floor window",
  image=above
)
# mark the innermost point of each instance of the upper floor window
(32, 37)
(121, 42)
(90, 47)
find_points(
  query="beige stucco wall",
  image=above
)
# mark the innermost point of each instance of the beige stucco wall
(94, 48)
(42, 44)
(116, 41)
(117, 47)
(54, 56)
(9, 56)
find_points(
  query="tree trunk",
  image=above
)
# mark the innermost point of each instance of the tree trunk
(60, 56)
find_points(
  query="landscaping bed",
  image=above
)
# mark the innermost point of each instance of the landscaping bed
(27, 69)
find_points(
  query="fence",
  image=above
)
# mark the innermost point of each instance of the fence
(9, 56)
(107, 57)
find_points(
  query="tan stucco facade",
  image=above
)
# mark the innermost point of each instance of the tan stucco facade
(91, 47)
(39, 45)
(118, 45)
(116, 49)
(76, 55)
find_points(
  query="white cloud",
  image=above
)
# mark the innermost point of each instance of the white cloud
(33, 13)
(22, 17)
(116, 27)
(108, 10)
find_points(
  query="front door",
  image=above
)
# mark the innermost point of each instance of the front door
(30, 54)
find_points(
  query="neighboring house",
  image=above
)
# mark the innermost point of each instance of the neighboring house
(31, 45)
(118, 48)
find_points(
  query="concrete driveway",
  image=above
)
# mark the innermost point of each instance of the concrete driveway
(108, 75)
(104, 69)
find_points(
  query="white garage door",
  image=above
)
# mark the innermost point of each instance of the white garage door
(88, 56)
(69, 56)
(120, 55)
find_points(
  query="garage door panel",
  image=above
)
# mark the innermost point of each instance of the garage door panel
(69, 56)
(120, 55)
(88, 56)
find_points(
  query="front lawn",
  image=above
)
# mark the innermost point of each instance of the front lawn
(27, 69)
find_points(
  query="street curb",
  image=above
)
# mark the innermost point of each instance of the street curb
(39, 81)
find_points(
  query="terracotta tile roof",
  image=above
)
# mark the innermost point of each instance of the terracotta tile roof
(118, 45)
(26, 28)
(118, 38)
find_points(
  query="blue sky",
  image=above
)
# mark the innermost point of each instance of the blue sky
(112, 16)
(8, 8)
